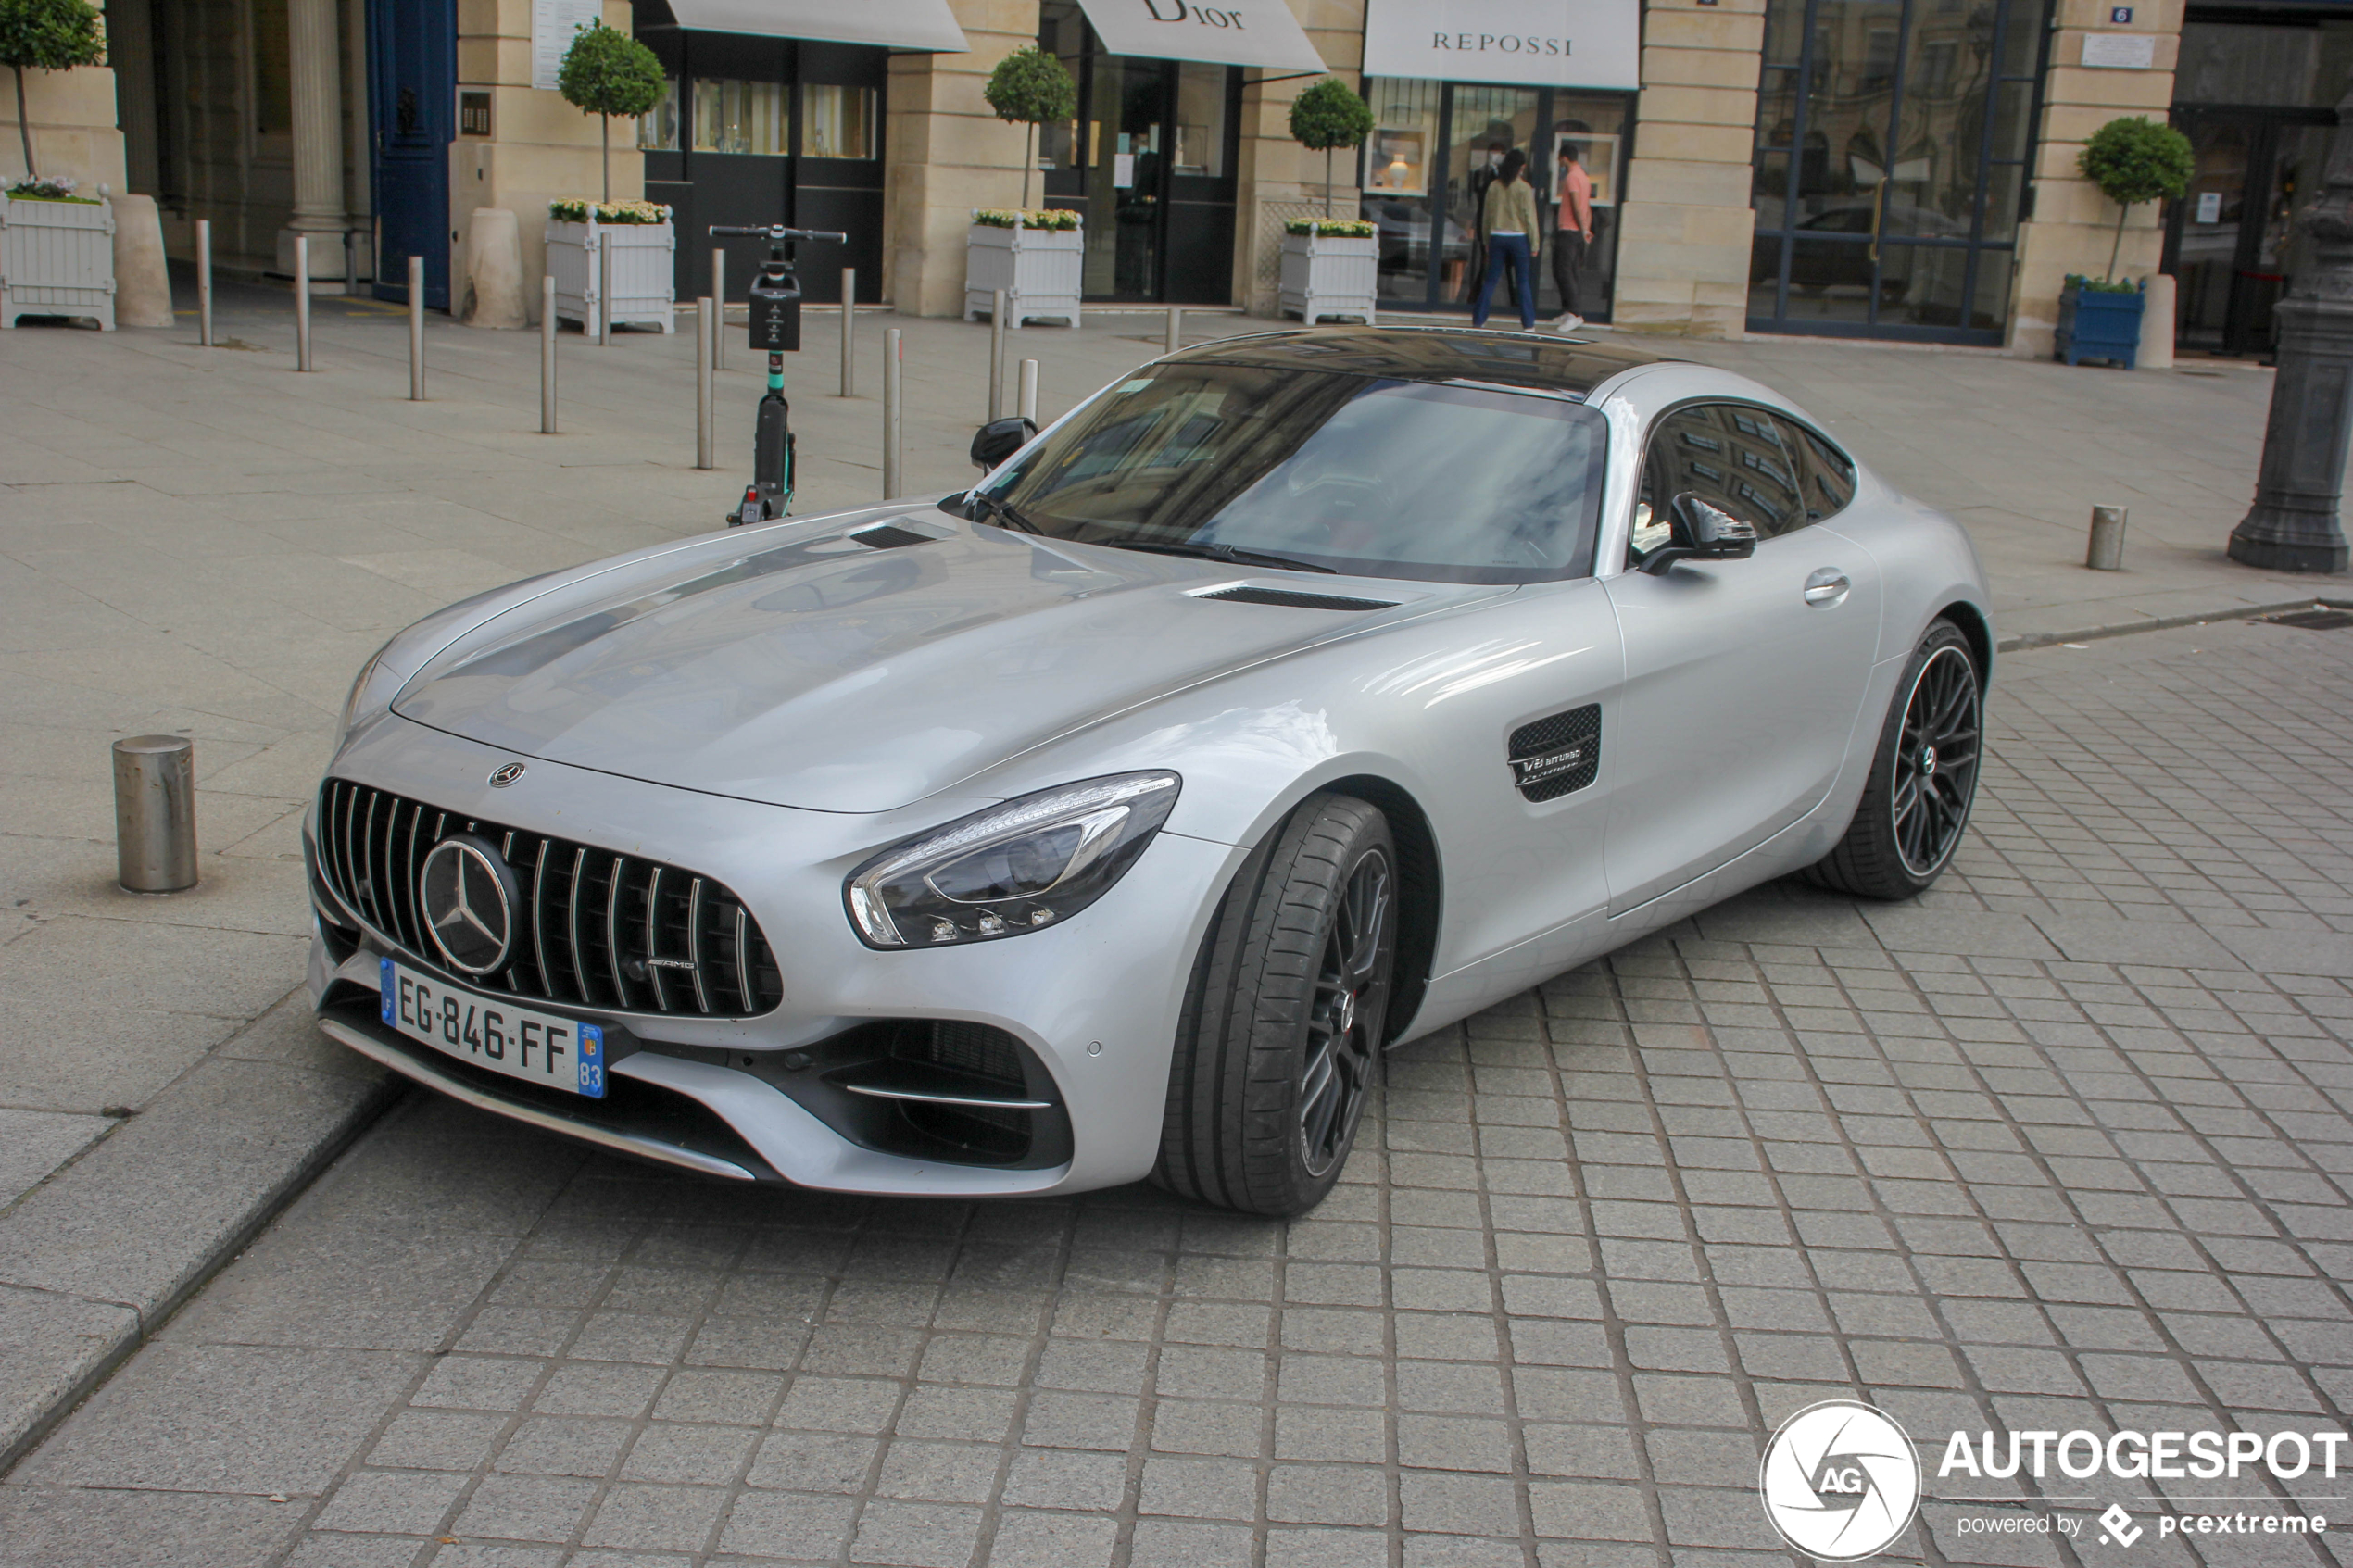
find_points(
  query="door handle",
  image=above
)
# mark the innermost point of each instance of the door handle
(1879, 216)
(1827, 588)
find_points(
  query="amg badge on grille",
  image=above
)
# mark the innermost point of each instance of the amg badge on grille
(1558, 755)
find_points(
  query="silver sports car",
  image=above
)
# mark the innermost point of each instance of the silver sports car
(1294, 696)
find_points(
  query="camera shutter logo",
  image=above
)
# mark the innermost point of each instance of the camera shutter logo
(469, 902)
(1840, 1481)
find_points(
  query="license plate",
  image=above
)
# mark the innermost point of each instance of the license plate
(538, 1047)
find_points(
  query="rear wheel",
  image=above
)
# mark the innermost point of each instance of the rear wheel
(1277, 1047)
(1923, 777)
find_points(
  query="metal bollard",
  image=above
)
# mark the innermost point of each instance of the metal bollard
(155, 813)
(706, 341)
(302, 302)
(892, 367)
(204, 281)
(719, 297)
(1029, 390)
(1175, 329)
(849, 330)
(547, 354)
(604, 289)
(996, 354)
(416, 328)
(2107, 552)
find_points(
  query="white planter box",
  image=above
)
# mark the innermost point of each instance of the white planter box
(1331, 277)
(1042, 270)
(57, 258)
(643, 272)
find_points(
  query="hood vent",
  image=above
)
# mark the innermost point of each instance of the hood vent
(1287, 598)
(890, 536)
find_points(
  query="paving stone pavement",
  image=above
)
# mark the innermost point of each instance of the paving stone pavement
(2063, 1145)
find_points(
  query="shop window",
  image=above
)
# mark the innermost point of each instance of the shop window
(839, 121)
(658, 127)
(1201, 119)
(739, 117)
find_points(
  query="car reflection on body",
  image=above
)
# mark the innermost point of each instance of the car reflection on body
(1296, 695)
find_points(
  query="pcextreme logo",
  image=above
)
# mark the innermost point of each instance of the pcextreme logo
(1840, 1481)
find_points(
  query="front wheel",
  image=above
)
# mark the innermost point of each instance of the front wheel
(1283, 1022)
(1923, 777)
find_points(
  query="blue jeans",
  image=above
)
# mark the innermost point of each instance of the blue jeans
(1512, 249)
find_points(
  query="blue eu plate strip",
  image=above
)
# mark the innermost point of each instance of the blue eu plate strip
(592, 1062)
(387, 986)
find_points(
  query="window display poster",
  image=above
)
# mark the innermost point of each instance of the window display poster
(1597, 150)
(1396, 162)
(553, 23)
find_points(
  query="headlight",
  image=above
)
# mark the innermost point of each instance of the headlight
(363, 697)
(1016, 867)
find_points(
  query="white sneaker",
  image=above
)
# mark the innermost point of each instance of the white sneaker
(1568, 324)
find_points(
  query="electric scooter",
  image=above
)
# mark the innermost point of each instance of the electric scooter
(775, 326)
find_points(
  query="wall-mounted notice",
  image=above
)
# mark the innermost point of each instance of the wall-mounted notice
(553, 23)
(2120, 51)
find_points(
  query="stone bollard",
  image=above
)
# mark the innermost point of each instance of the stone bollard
(155, 813)
(142, 282)
(2107, 551)
(494, 271)
(2155, 352)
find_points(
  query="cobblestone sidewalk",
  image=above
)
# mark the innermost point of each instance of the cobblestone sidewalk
(2062, 1145)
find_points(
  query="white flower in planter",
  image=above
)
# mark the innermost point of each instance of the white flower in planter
(644, 244)
(57, 252)
(1038, 258)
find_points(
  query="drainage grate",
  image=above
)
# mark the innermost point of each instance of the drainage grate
(2319, 618)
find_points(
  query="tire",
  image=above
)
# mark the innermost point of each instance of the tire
(1910, 822)
(1284, 1018)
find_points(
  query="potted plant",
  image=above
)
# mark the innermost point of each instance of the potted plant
(606, 72)
(642, 240)
(57, 252)
(1036, 256)
(1332, 267)
(1327, 116)
(2132, 160)
(47, 35)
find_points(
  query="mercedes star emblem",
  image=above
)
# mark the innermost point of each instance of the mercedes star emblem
(469, 902)
(505, 775)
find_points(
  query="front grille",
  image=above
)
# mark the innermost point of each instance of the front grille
(597, 929)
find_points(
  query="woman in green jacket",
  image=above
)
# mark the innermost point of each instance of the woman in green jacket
(1507, 219)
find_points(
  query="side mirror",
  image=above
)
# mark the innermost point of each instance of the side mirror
(1698, 531)
(999, 439)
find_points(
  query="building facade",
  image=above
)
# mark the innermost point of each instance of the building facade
(1891, 169)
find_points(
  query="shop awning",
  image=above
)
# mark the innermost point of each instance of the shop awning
(1227, 32)
(1525, 43)
(900, 24)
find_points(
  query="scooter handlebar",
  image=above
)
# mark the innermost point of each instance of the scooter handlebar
(776, 231)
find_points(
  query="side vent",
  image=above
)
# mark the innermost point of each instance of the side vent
(890, 536)
(1558, 755)
(1287, 599)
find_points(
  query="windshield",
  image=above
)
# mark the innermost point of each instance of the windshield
(1383, 478)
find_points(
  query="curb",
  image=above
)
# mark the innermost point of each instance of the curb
(95, 1263)
(2166, 623)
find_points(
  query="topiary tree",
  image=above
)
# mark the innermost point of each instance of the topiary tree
(47, 35)
(606, 72)
(2136, 160)
(1327, 116)
(1031, 87)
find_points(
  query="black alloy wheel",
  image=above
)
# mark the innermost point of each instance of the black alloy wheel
(1351, 1000)
(1279, 1041)
(1923, 781)
(1935, 776)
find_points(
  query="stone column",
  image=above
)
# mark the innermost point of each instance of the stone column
(948, 153)
(315, 70)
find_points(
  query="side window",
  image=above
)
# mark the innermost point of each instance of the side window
(1829, 472)
(1728, 455)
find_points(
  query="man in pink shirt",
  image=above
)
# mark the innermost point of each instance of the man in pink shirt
(1573, 230)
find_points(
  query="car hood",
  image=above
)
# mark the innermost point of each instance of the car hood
(858, 671)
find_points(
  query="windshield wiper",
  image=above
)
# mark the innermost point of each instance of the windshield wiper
(1004, 510)
(1234, 554)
